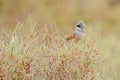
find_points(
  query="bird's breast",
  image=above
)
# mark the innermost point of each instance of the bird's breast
(79, 35)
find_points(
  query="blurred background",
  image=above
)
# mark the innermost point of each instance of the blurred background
(102, 18)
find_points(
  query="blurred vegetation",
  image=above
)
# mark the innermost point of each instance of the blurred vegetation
(102, 18)
(63, 12)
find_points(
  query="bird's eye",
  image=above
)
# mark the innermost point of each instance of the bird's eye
(78, 26)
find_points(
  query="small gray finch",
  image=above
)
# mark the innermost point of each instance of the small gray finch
(79, 32)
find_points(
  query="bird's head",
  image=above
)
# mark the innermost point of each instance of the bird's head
(80, 25)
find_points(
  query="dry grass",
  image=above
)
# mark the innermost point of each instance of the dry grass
(25, 53)
(45, 56)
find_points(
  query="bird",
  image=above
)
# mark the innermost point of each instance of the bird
(79, 32)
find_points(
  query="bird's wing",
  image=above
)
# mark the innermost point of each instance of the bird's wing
(70, 36)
